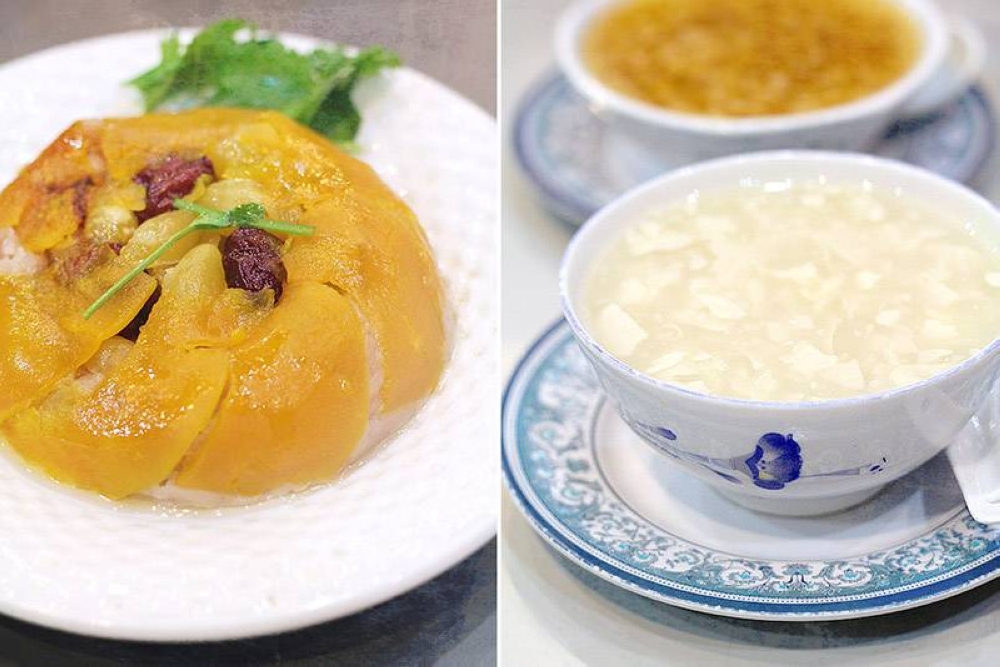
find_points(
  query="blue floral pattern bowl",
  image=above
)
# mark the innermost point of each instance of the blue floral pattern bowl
(552, 468)
(793, 457)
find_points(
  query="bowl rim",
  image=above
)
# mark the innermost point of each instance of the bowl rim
(572, 23)
(816, 157)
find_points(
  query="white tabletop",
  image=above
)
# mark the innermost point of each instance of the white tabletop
(553, 613)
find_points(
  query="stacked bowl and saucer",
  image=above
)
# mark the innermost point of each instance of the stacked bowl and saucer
(771, 506)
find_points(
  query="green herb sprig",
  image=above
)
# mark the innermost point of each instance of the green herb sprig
(244, 215)
(219, 69)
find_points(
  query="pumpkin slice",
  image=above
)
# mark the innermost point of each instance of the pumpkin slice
(389, 271)
(127, 434)
(43, 335)
(47, 201)
(127, 429)
(297, 403)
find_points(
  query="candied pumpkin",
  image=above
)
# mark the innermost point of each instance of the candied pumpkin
(202, 371)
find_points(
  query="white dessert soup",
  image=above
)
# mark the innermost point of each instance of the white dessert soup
(795, 290)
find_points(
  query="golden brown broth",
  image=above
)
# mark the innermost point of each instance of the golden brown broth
(750, 57)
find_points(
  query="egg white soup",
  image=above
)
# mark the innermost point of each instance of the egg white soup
(789, 291)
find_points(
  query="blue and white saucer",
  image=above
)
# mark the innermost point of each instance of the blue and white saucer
(578, 166)
(614, 506)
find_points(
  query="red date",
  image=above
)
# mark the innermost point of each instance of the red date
(171, 177)
(252, 261)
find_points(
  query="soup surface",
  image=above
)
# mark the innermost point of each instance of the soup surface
(787, 291)
(750, 57)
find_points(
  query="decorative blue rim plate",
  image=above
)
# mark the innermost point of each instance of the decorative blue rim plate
(577, 166)
(556, 472)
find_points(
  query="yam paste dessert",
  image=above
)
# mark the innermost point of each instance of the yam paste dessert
(787, 291)
(750, 57)
(217, 300)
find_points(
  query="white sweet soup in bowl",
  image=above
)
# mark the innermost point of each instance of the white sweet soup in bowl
(795, 328)
(796, 289)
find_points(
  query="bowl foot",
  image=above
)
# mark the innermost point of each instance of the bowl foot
(799, 506)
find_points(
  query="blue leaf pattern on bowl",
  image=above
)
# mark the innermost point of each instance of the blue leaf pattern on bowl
(775, 461)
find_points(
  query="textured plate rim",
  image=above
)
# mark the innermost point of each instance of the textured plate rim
(225, 629)
(243, 629)
(575, 211)
(598, 564)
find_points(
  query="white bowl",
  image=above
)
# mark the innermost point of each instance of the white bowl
(951, 59)
(798, 458)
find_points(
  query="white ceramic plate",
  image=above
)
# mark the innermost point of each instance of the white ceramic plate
(415, 507)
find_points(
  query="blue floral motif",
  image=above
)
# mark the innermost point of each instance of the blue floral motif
(796, 575)
(775, 462)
